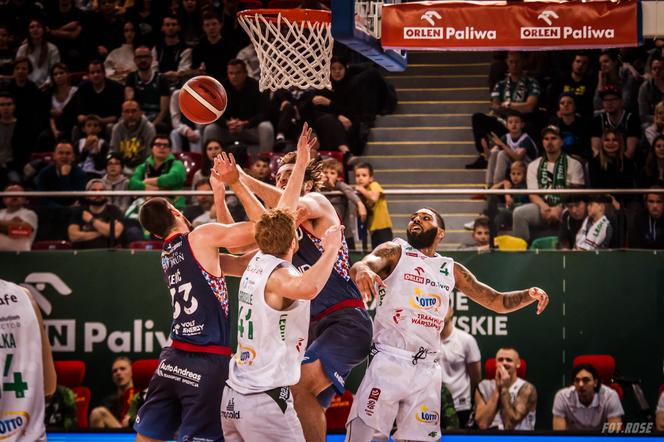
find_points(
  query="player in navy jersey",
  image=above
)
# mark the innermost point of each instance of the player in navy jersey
(340, 330)
(184, 395)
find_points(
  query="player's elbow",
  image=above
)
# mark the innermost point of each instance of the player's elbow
(482, 424)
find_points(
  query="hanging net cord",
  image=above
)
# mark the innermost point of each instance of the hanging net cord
(291, 53)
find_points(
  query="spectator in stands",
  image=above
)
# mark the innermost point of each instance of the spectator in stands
(98, 95)
(460, 361)
(348, 204)
(112, 412)
(249, 55)
(60, 413)
(160, 171)
(613, 115)
(260, 169)
(186, 135)
(172, 54)
(92, 150)
(189, 17)
(132, 135)
(621, 77)
(148, 87)
(574, 215)
(212, 149)
(573, 128)
(285, 117)
(18, 225)
(62, 93)
(647, 230)
(62, 175)
(231, 31)
(9, 140)
(652, 173)
(104, 28)
(20, 13)
(116, 180)
(201, 203)
(65, 24)
(147, 16)
(517, 92)
(502, 213)
(506, 402)
(120, 62)
(576, 84)
(371, 193)
(596, 230)
(553, 170)
(651, 91)
(657, 127)
(586, 404)
(515, 145)
(246, 116)
(659, 416)
(95, 224)
(42, 54)
(213, 52)
(480, 235)
(6, 55)
(611, 168)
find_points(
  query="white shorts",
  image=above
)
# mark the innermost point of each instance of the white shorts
(260, 416)
(394, 388)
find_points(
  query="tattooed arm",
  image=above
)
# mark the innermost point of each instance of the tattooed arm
(499, 302)
(525, 401)
(375, 267)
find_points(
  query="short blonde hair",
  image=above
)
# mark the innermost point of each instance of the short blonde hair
(275, 232)
(518, 165)
(332, 163)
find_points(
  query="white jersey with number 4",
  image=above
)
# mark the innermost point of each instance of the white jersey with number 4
(412, 307)
(270, 343)
(21, 371)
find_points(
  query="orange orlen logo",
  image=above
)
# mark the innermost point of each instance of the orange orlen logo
(13, 423)
(428, 301)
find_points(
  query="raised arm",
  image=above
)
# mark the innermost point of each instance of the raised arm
(266, 192)
(235, 265)
(231, 236)
(499, 302)
(225, 170)
(291, 196)
(513, 414)
(375, 267)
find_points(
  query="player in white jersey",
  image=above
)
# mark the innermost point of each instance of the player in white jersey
(413, 285)
(24, 379)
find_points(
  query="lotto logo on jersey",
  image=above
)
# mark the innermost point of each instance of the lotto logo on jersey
(13, 423)
(245, 355)
(426, 416)
(425, 301)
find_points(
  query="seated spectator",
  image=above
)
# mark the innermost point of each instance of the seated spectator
(460, 362)
(160, 171)
(574, 215)
(208, 212)
(98, 95)
(212, 149)
(6, 55)
(553, 170)
(148, 87)
(147, 16)
(213, 52)
(186, 135)
(116, 180)
(285, 117)
(611, 168)
(586, 404)
(371, 194)
(516, 92)
(614, 116)
(250, 57)
(9, 143)
(95, 224)
(104, 27)
(657, 127)
(189, 17)
(577, 85)
(65, 24)
(260, 169)
(647, 230)
(132, 135)
(120, 62)
(92, 150)
(112, 414)
(659, 416)
(62, 175)
(18, 225)
(596, 230)
(502, 213)
(652, 173)
(62, 92)
(200, 203)
(42, 54)
(245, 119)
(172, 54)
(479, 236)
(618, 76)
(573, 129)
(60, 413)
(506, 402)
(348, 204)
(651, 91)
(515, 145)
(231, 31)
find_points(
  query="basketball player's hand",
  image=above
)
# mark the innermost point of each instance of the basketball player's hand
(369, 283)
(541, 297)
(226, 168)
(333, 238)
(304, 144)
(217, 184)
(502, 377)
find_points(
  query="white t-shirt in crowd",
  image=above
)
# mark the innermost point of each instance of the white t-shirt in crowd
(457, 351)
(19, 244)
(575, 175)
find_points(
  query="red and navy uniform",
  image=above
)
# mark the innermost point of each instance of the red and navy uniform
(340, 331)
(184, 395)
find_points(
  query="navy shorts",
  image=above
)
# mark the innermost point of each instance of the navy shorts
(184, 397)
(341, 340)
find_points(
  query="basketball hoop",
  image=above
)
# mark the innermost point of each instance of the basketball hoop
(294, 46)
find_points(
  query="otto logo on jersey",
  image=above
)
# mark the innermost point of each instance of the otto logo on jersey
(13, 423)
(425, 301)
(245, 355)
(426, 416)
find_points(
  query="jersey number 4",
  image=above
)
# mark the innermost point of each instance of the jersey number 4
(18, 386)
(241, 323)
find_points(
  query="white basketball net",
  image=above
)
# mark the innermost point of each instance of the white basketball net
(291, 53)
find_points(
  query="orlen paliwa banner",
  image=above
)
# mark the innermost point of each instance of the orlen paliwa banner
(490, 25)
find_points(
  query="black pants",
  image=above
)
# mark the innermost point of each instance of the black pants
(483, 125)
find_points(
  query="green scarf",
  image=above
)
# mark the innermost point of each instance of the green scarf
(559, 178)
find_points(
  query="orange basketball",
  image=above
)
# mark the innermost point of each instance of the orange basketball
(203, 99)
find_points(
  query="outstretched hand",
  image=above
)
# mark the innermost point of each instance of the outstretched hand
(225, 169)
(540, 296)
(305, 143)
(369, 284)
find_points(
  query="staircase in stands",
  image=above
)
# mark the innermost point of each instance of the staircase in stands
(428, 140)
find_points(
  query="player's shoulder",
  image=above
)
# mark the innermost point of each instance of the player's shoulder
(388, 249)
